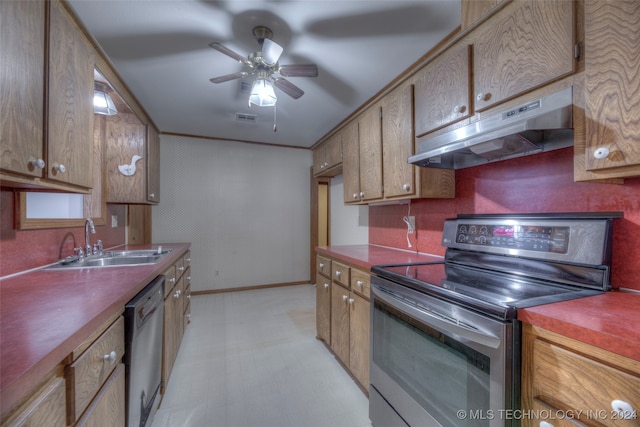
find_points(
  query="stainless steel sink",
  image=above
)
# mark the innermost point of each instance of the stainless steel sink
(113, 258)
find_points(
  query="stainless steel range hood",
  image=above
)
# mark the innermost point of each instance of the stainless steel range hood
(541, 125)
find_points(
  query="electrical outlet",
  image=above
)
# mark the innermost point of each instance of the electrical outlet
(412, 224)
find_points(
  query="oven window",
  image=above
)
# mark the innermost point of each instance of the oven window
(443, 375)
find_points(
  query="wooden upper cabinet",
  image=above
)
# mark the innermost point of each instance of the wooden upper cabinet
(328, 156)
(70, 101)
(21, 87)
(474, 10)
(612, 49)
(442, 93)
(153, 165)
(351, 162)
(398, 143)
(524, 46)
(370, 136)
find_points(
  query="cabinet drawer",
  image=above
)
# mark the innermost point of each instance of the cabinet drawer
(340, 273)
(170, 281)
(108, 407)
(186, 260)
(570, 381)
(88, 373)
(360, 283)
(45, 408)
(324, 266)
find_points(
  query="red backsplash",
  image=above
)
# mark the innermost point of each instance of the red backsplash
(26, 249)
(540, 183)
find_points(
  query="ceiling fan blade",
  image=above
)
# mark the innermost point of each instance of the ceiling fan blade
(287, 87)
(227, 77)
(223, 49)
(302, 70)
(271, 52)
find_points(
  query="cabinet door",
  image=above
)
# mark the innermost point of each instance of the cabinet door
(70, 101)
(473, 10)
(370, 141)
(318, 160)
(153, 164)
(340, 322)
(126, 147)
(351, 162)
(359, 338)
(169, 336)
(612, 85)
(398, 143)
(526, 45)
(443, 90)
(333, 150)
(21, 89)
(323, 308)
(108, 408)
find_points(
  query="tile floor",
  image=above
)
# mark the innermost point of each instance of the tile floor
(251, 359)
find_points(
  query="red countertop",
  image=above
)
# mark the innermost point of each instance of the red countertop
(46, 314)
(610, 321)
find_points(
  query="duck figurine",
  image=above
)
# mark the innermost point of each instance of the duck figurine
(129, 170)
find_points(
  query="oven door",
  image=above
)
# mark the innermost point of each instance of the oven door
(437, 364)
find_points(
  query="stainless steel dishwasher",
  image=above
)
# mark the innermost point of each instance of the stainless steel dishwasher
(144, 316)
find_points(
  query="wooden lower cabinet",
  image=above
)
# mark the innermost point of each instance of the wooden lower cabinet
(45, 407)
(343, 316)
(571, 383)
(107, 410)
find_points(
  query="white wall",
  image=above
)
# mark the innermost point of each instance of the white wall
(243, 207)
(349, 224)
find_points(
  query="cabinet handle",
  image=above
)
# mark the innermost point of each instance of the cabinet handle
(60, 168)
(180, 268)
(359, 283)
(111, 357)
(480, 96)
(188, 259)
(362, 194)
(326, 286)
(545, 424)
(355, 195)
(351, 301)
(601, 153)
(189, 296)
(38, 163)
(338, 274)
(177, 294)
(172, 280)
(459, 109)
(406, 187)
(189, 278)
(624, 409)
(321, 266)
(345, 298)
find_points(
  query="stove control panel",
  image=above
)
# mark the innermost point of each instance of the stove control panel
(513, 236)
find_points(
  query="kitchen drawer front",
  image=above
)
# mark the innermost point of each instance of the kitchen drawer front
(186, 260)
(340, 273)
(324, 266)
(569, 380)
(180, 268)
(108, 407)
(88, 373)
(543, 413)
(361, 283)
(44, 408)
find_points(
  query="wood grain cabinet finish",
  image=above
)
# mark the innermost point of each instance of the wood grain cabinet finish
(612, 85)
(474, 10)
(340, 273)
(323, 308)
(370, 153)
(340, 322)
(107, 410)
(53, 150)
(361, 283)
(153, 165)
(46, 407)
(328, 156)
(87, 374)
(359, 337)
(443, 90)
(562, 374)
(524, 46)
(351, 162)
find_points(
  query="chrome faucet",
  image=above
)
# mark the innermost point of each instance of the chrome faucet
(87, 244)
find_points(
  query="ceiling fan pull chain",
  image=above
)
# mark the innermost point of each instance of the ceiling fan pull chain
(275, 127)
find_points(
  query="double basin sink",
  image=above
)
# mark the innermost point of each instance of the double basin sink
(113, 258)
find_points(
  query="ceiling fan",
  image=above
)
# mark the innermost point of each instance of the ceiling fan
(264, 65)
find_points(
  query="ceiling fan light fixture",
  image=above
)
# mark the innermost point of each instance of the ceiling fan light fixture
(103, 104)
(262, 93)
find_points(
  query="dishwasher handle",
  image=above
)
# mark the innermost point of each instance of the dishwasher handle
(147, 303)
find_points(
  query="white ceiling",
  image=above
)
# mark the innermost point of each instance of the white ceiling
(160, 49)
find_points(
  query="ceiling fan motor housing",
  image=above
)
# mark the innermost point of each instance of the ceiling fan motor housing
(261, 32)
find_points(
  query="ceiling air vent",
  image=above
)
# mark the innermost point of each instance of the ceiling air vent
(245, 118)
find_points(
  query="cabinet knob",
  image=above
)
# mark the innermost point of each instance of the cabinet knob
(624, 410)
(326, 286)
(172, 280)
(189, 296)
(355, 195)
(60, 168)
(111, 357)
(176, 294)
(359, 283)
(351, 301)
(189, 278)
(321, 266)
(362, 194)
(345, 298)
(152, 195)
(188, 259)
(545, 424)
(459, 109)
(338, 273)
(406, 187)
(601, 153)
(37, 163)
(180, 268)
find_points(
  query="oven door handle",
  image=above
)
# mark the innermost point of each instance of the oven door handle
(437, 320)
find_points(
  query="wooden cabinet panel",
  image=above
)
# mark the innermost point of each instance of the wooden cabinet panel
(70, 101)
(443, 90)
(361, 283)
(340, 273)
(327, 156)
(21, 88)
(351, 162)
(323, 308)
(524, 46)
(612, 49)
(45, 408)
(398, 143)
(359, 328)
(473, 10)
(370, 138)
(87, 374)
(340, 322)
(324, 266)
(153, 165)
(107, 410)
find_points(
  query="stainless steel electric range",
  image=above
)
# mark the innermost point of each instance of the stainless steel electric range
(445, 339)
